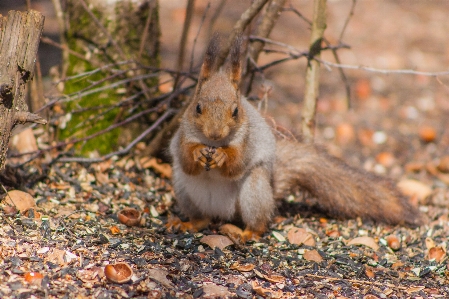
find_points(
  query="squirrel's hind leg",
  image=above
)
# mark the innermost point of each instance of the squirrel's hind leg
(256, 203)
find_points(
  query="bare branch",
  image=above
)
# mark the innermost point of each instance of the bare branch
(312, 76)
(185, 30)
(241, 24)
(382, 71)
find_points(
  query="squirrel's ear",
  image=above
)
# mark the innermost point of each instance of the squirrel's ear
(209, 63)
(236, 61)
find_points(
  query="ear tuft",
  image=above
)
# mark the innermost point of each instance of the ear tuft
(209, 63)
(236, 61)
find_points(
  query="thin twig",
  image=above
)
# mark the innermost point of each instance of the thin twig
(241, 24)
(196, 37)
(348, 18)
(382, 71)
(111, 39)
(124, 150)
(185, 31)
(214, 18)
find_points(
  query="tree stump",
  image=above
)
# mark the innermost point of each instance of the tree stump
(20, 34)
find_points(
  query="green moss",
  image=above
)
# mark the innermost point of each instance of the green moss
(85, 37)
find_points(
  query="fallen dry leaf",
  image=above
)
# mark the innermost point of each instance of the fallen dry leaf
(300, 236)
(261, 291)
(414, 289)
(242, 268)
(313, 255)
(274, 278)
(20, 200)
(437, 253)
(164, 169)
(429, 243)
(115, 230)
(366, 241)
(278, 236)
(414, 188)
(56, 256)
(216, 241)
(211, 290)
(160, 276)
(369, 272)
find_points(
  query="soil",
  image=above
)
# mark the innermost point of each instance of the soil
(397, 127)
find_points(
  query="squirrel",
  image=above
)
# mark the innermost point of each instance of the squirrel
(228, 165)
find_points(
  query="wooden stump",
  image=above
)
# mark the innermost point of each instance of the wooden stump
(19, 40)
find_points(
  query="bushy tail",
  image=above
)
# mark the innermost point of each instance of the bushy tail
(341, 190)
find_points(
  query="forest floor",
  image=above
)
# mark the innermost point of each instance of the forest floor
(397, 127)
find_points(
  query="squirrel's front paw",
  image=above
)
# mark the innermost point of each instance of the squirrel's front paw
(202, 156)
(217, 157)
(209, 157)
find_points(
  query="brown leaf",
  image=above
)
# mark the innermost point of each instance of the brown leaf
(414, 188)
(89, 275)
(429, 243)
(300, 236)
(160, 276)
(21, 200)
(366, 241)
(216, 241)
(437, 253)
(242, 268)
(313, 255)
(415, 289)
(164, 169)
(264, 291)
(274, 278)
(56, 256)
(369, 272)
(211, 290)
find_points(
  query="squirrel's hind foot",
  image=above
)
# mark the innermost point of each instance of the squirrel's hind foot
(194, 225)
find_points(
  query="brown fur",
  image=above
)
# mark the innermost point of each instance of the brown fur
(221, 130)
(341, 190)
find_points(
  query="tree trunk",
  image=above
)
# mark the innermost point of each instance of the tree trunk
(19, 40)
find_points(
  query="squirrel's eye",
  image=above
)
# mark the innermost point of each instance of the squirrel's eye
(198, 109)
(236, 112)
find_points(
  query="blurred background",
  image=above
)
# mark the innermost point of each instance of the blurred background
(389, 110)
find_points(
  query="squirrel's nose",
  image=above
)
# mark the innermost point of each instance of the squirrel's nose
(215, 136)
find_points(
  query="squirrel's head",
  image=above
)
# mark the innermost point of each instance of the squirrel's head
(216, 107)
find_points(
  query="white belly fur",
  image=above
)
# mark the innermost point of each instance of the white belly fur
(213, 195)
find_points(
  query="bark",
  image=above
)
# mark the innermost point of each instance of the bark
(19, 40)
(312, 75)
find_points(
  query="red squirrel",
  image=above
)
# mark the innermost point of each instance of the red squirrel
(228, 165)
